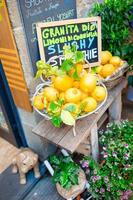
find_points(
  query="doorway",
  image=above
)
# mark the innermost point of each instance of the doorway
(10, 124)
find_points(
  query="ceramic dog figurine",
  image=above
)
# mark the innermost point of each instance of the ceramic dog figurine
(25, 161)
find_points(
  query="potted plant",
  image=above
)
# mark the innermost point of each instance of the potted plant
(116, 16)
(69, 178)
(113, 177)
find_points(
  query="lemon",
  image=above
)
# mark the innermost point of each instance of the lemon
(99, 69)
(99, 93)
(83, 95)
(72, 95)
(77, 68)
(105, 57)
(115, 61)
(109, 54)
(76, 84)
(89, 104)
(88, 83)
(62, 83)
(107, 70)
(50, 93)
(38, 102)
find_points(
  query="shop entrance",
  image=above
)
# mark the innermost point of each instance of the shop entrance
(10, 125)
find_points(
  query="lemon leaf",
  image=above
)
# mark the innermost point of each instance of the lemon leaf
(56, 121)
(39, 73)
(67, 118)
(79, 56)
(67, 65)
(71, 108)
(53, 106)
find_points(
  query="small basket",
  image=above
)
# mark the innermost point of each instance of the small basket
(113, 80)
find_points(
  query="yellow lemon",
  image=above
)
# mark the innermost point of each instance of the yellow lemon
(76, 84)
(38, 102)
(105, 57)
(72, 95)
(99, 69)
(50, 93)
(83, 95)
(115, 61)
(62, 83)
(99, 93)
(107, 70)
(110, 54)
(89, 104)
(88, 83)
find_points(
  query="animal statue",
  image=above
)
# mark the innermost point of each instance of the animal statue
(25, 161)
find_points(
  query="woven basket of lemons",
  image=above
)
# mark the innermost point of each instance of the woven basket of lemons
(111, 70)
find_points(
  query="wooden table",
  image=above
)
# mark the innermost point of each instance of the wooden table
(85, 128)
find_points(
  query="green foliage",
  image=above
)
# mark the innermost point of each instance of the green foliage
(66, 171)
(55, 111)
(116, 16)
(46, 70)
(113, 179)
(56, 121)
(72, 57)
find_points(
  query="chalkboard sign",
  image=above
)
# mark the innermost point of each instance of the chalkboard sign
(85, 33)
(34, 11)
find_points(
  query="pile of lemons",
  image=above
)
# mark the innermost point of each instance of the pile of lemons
(75, 96)
(109, 64)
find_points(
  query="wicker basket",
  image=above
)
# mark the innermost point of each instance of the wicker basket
(116, 77)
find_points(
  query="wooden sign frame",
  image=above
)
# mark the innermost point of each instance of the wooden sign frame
(40, 25)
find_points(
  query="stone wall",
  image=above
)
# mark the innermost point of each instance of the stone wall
(30, 120)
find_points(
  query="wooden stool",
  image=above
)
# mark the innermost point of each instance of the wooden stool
(86, 140)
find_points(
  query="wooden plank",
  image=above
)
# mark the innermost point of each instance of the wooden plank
(115, 109)
(46, 130)
(63, 137)
(84, 147)
(102, 120)
(94, 142)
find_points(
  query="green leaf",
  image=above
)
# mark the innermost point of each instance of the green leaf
(56, 121)
(54, 160)
(75, 75)
(71, 108)
(63, 178)
(67, 65)
(53, 106)
(39, 73)
(74, 179)
(40, 64)
(79, 56)
(68, 185)
(67, 118)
